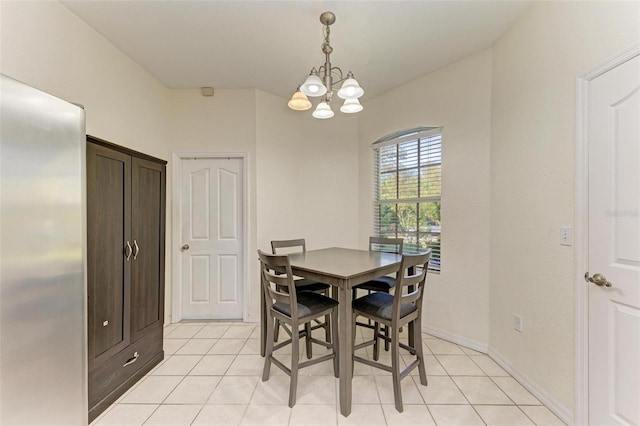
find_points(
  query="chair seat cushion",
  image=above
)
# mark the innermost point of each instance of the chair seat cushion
(308, 304)
(378, 284)
(304, 284)
(380, 305)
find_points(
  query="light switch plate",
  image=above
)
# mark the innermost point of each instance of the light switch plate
(566, 236)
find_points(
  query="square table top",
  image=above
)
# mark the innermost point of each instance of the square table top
(343, 263)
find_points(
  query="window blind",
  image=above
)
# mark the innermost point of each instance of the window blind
(408, 188)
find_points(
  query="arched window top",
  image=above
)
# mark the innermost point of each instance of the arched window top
(406, 134)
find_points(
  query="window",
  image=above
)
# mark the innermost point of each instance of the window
(408, 184)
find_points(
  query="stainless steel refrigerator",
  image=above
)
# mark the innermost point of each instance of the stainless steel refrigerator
(43, 337)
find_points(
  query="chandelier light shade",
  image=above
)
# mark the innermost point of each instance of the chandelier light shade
(323, 82)
(350, 106)
(313, 86)
(350, 88)
(299, 101)
(323, 111)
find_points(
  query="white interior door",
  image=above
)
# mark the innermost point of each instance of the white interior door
(211, 243)
(614, 246)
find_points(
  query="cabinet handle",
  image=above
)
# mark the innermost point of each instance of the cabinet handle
(136, 249)
(131, 360)
(128, 251)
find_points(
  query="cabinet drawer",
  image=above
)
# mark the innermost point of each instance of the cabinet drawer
(108, 376)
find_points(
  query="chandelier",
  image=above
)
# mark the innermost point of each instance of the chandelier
(314, 86)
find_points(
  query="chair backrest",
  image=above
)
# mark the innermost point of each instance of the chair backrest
(387, 245)
(288, 246)
(277, 281)
(411, 278)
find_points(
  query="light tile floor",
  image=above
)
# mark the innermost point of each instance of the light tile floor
(211, 376)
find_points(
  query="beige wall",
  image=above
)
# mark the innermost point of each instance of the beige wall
(225, 122)
(457, 97)
(307, 176)
(46, 46)
(535, 66)
(330, 182)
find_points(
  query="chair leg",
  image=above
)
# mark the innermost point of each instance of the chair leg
(276, 332)
(386, 341)
(269, 349)
(395, 367)
(295, 359)
(417, 339)
(335, 342)
(376, 341)
(307, 340)
(327, 328)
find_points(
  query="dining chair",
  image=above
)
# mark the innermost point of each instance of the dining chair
(394, 311)
(302, 284)
(384, 283)
(285, 305)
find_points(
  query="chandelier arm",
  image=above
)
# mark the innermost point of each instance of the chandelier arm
(339, 73)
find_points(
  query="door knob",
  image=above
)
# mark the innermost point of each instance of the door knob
(185, 247)
(599, 280)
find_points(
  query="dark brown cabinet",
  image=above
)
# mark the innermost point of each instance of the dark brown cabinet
(125, 268)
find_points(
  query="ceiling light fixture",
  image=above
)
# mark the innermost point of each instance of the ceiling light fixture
(314, 86)
(299, 101)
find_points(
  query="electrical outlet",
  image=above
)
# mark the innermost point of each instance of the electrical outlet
(566, 236)
(517, 323)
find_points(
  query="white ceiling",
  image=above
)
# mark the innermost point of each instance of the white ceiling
(272, 45)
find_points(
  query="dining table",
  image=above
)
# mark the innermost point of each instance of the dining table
(342, 268)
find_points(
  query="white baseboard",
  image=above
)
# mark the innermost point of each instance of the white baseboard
(457, 339)
(565, 414)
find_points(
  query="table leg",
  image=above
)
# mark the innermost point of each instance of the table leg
(345, 348)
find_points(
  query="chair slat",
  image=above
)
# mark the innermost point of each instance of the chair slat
(386, 245)
(280, 244)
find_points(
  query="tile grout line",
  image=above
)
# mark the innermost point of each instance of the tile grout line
(465, 397)
(517, 405)
(181, 380)
(214, 389)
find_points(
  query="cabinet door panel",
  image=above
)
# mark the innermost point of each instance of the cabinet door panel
(108, 229)
(148, 223)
